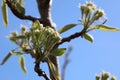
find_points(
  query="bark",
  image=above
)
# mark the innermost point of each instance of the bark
(44, 7)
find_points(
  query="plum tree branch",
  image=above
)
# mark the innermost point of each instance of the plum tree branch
(73, 36)
(40, 72)
(18, 15)
(44, 8)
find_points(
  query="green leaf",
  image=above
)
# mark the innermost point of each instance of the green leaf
(65, 28)
(53, 70)
(58, 51)
(16, 53)
(22, 64)
(88, 37)
(106, 28)
(6, 58)
(20, 8)
(4, 13)
(36, 25)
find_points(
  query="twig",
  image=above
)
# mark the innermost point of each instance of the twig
(73, 36)
(40, 72)
(104, 21)
(66, 62)
(17, 14)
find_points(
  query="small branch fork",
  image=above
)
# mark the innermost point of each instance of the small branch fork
(40, 72)
(73, 36)
(17, 14)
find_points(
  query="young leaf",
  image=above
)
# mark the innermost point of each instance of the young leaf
(20, 8)
(6, 58)
(65, 28)
(4, 13)
(88, 37)
(53, 70)
(22, 64)
(37, 25)
(106, 28)
(58, 51)
(16, 53)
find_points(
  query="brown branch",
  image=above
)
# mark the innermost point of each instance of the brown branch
(37, 67)
(18, 15)
(44, 7)
(73, 36)
(66, 62)
(40, 72)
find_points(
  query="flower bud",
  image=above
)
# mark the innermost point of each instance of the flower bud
(98, 14)
(37, 25)
(97, 77)
(113, 78)
(57, 35)
(91, 4)
(89, 10)
(14, 34)
(83, 8)
(105, 75)
(23, 28)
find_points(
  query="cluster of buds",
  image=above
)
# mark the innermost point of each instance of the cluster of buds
(44, 37)
(87, 8)
(13, 36)
(20, 39)
(39, 39)
(105, 76)
(90, 13)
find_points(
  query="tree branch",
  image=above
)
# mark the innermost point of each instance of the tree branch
(40, 72)
(44, 7)
(73, 36)
(18, 15)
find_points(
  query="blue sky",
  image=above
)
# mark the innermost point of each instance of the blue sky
(86, 59)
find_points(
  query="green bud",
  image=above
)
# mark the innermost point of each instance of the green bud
(97, 77)
(113, 78)
(83, 9)
(23, 28)
(89, 10)
(57, 35)
(101, 13)
(98, 14)
(13, 39)
(14, 34)
(37, 25)
(105, 75)
(91, 4)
